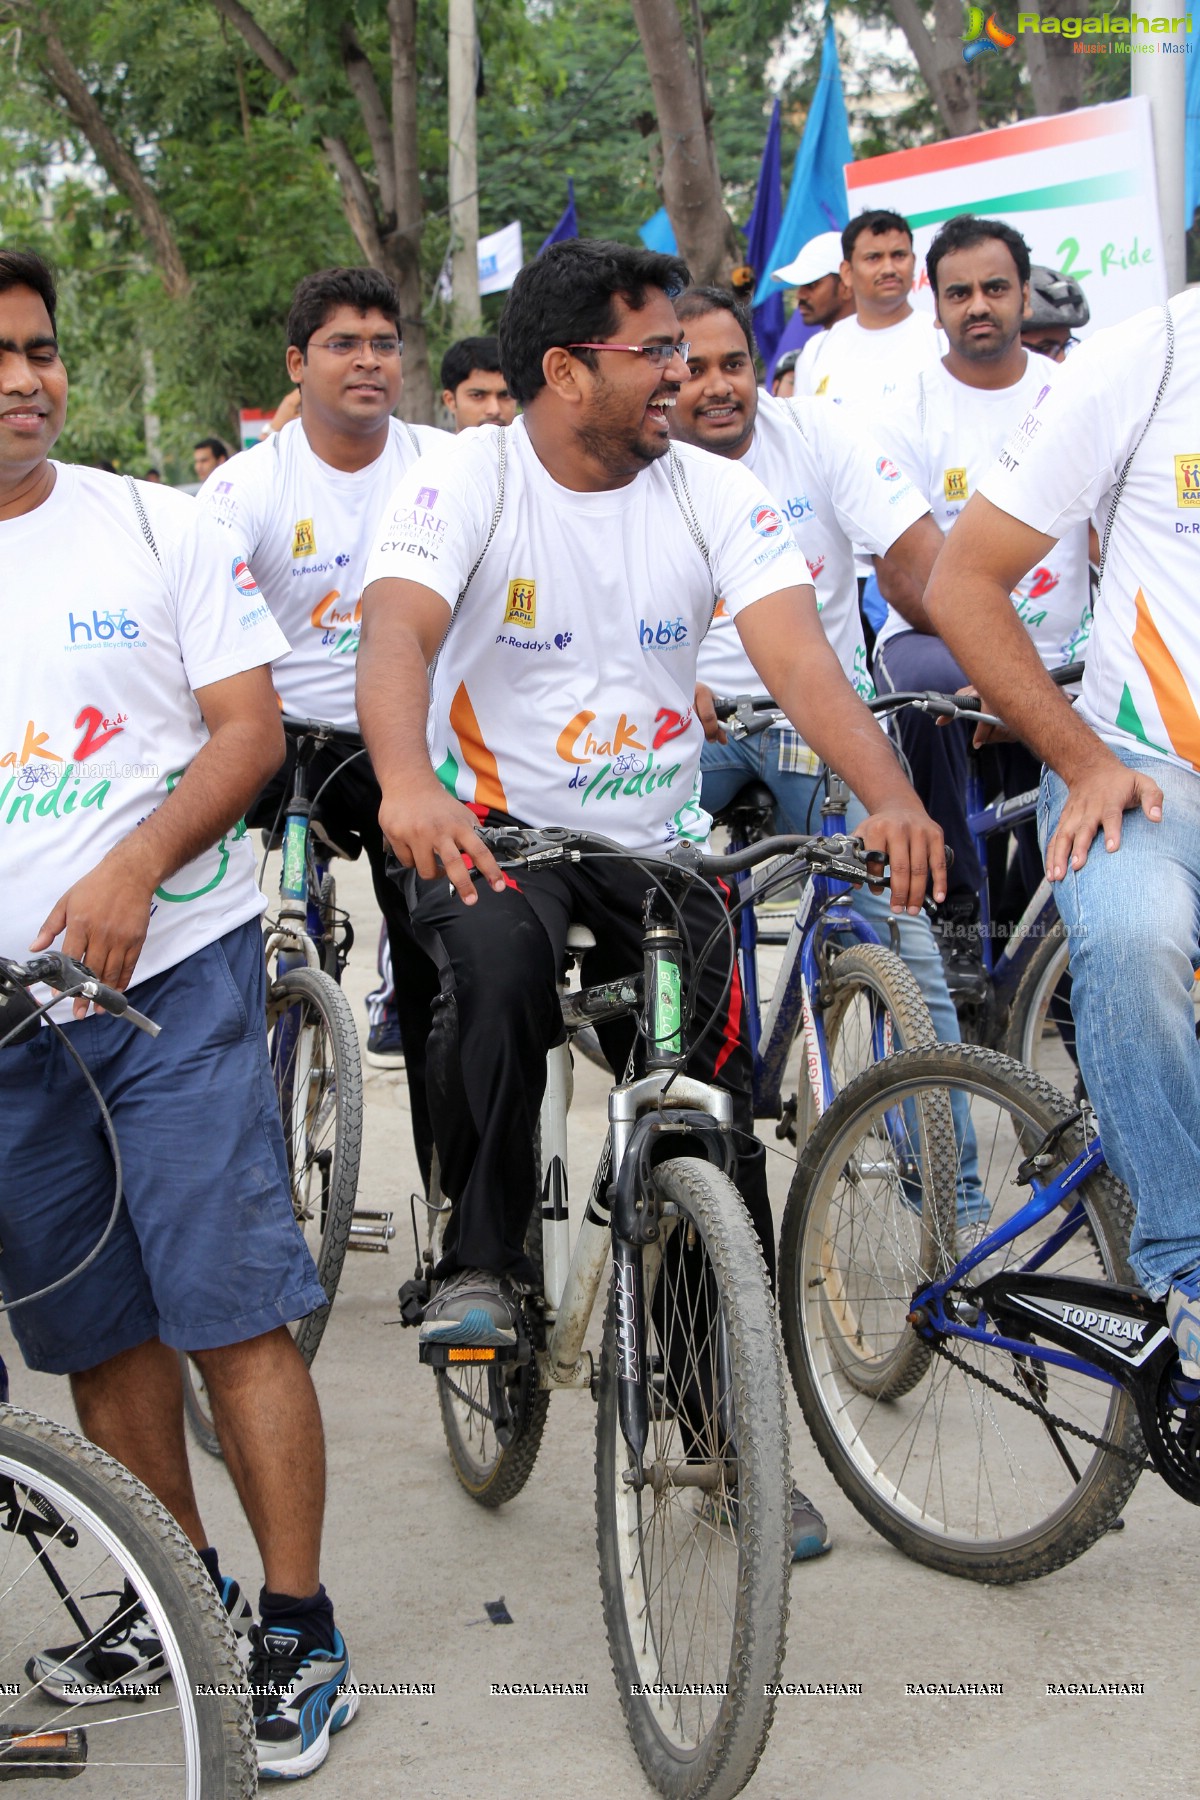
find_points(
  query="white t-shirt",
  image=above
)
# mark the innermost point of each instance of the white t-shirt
(1142, 686)
(860, 368)
(564, 691)
(836, 489)
(305, 529)
(98, 719)
(946, 435)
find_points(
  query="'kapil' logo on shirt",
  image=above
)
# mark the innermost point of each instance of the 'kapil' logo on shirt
(1187, 480)
(954, 484)
(304, 539)
(522, 604)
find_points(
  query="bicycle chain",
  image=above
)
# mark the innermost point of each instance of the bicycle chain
(1040, 1412)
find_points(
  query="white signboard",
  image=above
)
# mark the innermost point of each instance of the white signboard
(500, 258)
(1079, 187)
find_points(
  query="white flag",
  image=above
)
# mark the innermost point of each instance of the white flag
(500, 258)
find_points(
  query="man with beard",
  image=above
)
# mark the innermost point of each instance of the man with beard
(822, 298)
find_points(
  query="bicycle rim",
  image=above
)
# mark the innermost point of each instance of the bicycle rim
(187, 1735)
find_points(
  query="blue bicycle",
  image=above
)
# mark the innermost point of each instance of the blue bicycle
(988, 1407)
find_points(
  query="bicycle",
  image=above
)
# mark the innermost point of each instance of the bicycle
(97, 1535)
(692, 1471)
(315, 1061)
(988, 1406)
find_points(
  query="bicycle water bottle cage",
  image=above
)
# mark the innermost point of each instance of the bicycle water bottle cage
(654, 1135)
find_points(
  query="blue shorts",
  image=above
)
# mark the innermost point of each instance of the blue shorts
(206, 1250)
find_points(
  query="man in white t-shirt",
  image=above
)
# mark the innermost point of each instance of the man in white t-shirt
(823, 298)
(299, 510)
(136, 722)
(1118, 433)
(866, 356)
(474, 391)
(945, 428)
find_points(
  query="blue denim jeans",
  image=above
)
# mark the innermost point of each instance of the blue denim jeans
(725, 769)
(1133, 921)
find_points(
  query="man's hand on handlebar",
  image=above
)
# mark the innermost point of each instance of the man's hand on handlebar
(430, 830)
(104, 918)
(915, 850)
(706, 712)
(984, 734)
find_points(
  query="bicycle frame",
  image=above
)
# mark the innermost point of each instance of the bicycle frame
(984, 821)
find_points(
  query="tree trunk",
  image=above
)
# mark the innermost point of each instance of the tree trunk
(464, 169)
(691, 183)
(402, 243)
(940, 61)
(1055, 72)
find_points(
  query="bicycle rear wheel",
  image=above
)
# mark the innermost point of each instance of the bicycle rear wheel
(317, 1073)
(694, 1566)
(872, 1008)
(1041, 1031)
(101, 1529)
(989, 1465)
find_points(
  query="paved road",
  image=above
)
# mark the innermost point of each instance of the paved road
(411, 1562)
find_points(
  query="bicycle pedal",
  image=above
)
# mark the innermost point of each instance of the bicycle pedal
(456, 1356)
(370, 1230)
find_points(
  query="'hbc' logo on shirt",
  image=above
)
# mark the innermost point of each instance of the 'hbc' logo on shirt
(522, 604)
(304, 539)
(954, 484)
(1187, 480)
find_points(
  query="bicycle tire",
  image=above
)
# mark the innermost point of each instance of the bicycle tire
(490, 1472)
(122, 1533)
(873, 974)
(949, 1471)
(327, 1140)
(699, 1744)
(1033, 1035)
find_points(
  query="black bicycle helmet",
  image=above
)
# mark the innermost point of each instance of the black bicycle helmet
(1054, 299)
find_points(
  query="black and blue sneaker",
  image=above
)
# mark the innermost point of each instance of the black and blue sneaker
(301, 1694)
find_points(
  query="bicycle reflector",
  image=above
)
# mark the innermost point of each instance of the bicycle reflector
(456, 1353)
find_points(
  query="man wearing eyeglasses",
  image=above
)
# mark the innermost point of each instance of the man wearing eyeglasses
(299, 509)
(565, 609)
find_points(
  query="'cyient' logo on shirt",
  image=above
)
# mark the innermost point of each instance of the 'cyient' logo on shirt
(1187, 480)
(521, 608)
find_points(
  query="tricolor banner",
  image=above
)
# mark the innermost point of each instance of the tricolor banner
(1079, 187)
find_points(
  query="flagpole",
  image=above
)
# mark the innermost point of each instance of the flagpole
(463, 172)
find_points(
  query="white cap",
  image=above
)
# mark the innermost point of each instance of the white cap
(820, 256)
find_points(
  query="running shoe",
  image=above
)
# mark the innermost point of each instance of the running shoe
(125, 1657)
(384, 1049)
(1183, 1316)
(301, 1695)
(810, 1533)
(471, 1307)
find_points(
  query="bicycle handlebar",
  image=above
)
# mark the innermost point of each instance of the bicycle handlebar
(322, 730)
(70, 977)
(749, 714)
(842, 856)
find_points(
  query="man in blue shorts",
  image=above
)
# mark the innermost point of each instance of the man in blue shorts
(137, 720)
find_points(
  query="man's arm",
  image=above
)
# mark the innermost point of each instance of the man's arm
(785, 642)
(968, 600)
(403, 625)
(905, 570)
(106, 913)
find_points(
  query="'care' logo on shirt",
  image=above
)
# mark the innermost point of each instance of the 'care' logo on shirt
(954, 484)
(887, 470)
(766, 521)
(1187, 480)
(304, 538)
(521, 608)
(243, 580)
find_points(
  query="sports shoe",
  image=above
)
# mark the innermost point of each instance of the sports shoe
(810, 1533)
(384, 1049)
(298, 1700)
(1183, 1317)
(125, 1655)
(471, 1307)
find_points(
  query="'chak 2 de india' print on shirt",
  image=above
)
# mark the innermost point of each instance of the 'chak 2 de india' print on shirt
(564, 692)
(1141, 687)
(98, 718)
(305, 529)
(836, 490)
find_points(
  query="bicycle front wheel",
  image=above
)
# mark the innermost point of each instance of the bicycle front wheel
(979, 1462)
(184, 1728)
(694, 1565)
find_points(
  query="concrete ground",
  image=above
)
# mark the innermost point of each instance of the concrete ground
(411, 1561)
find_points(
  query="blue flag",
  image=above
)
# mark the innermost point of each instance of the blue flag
(568, 224)
(658, 233)
(762, 229)
(817, 198)
(1191, 141)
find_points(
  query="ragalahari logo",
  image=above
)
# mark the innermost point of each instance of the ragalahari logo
(983, 35)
